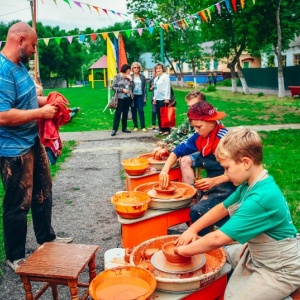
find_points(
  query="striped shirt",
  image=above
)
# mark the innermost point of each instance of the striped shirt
(17, 90)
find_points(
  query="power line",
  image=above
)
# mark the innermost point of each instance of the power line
(14, 12)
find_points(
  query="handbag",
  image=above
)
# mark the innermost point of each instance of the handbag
(129, 116)
(167, 116)
(113, 103)
(173, 99)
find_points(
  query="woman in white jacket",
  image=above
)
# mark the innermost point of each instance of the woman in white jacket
(162, 93)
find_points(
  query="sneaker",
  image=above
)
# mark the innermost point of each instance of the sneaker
(15, 264)
(144, 130)
(156, 130)
(135, 129)
(61, 240)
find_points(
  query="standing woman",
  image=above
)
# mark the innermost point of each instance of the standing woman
(153, 106)
(123, 86)
(162, 93)
(139, 96)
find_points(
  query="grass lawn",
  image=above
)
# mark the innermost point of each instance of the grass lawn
(281, 154)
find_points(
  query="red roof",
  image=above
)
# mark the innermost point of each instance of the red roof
(101, 63)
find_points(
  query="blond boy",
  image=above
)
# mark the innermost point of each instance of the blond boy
(268, 266)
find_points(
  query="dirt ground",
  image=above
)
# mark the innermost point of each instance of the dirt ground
(81, 200)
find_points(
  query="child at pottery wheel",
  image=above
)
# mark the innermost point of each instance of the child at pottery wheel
(216, 187)
(267, 261)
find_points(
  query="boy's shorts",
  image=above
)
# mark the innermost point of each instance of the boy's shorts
(193, 157)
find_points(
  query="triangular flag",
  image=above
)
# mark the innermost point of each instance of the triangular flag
(94, 36)
(58, 40)
(111, 60)
(96, 9)
(70, 39)
(227, 6)
(104, 35)
(202, 15)
(78, 4)
(46, 41)
(151, 29)
(82, 37)
(242, 3)
(140, 31)
(198, 17)
(253, 1)
(122, 52)
(116, 34)
(67, 1)
(112, 11)
(234, 4)
(212, 8)
(55, 2)
(88, 6)
(218, 8)
(0, 43)
(105, 10)
(128, 32)
(171, 27)
(208, 13)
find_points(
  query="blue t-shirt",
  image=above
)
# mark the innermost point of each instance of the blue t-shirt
(263, 210)
(17, 90)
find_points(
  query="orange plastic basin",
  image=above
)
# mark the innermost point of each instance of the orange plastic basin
(123, 283)
(131, 205)
(135, 166)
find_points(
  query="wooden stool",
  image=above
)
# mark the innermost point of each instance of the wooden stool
(56, 263)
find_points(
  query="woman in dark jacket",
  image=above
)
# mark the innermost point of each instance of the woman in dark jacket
(123, 86)
(139, 96)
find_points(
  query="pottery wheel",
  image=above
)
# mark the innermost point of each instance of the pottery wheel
(160, 263)
(177, 194)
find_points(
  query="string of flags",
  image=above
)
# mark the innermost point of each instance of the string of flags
(204, 15)
(97, 9)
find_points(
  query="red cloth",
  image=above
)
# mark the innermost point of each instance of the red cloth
(49, 129)
(207, 145)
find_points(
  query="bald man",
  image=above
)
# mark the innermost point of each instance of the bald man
(23, 162)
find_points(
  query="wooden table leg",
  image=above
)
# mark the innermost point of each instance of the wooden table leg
(73, 285)
(92, 268)
(54, 291)
(27, 288)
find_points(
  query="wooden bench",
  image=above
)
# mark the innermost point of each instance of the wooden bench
(295, 90)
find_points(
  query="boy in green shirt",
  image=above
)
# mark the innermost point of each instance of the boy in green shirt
(268, 262)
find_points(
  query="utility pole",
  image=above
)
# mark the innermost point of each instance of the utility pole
(162, 51)
(36, 59)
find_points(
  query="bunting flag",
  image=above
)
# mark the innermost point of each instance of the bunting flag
(122, 53)
(111, 60)
(116, 45)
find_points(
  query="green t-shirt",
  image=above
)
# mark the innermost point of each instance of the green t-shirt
(264, 210)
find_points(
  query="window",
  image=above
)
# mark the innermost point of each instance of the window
(246, 64)
(283, 60)
(207, 65)
(296, 59)
(215, 64)
(150, 74)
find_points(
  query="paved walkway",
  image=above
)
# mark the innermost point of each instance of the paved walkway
(105, 135)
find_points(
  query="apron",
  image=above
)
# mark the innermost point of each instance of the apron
(267, 269)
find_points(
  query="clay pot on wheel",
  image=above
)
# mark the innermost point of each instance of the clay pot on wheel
(171, 256)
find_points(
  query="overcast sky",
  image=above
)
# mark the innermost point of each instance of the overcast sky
(63, 15)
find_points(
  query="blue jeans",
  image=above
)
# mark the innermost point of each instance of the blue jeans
(138, 106)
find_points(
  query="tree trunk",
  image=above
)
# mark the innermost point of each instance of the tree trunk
(281, 89)
(242, 79)
(233, 76)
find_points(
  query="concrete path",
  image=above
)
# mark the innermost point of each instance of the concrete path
(105, 135)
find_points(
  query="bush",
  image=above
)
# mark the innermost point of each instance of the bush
(260, 94)
(211, 88)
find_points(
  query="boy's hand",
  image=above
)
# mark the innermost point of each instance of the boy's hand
(205, 184)
(186, 238)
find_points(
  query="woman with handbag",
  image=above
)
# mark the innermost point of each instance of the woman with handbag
(123, 86)
(162, 94)
(139, 96)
